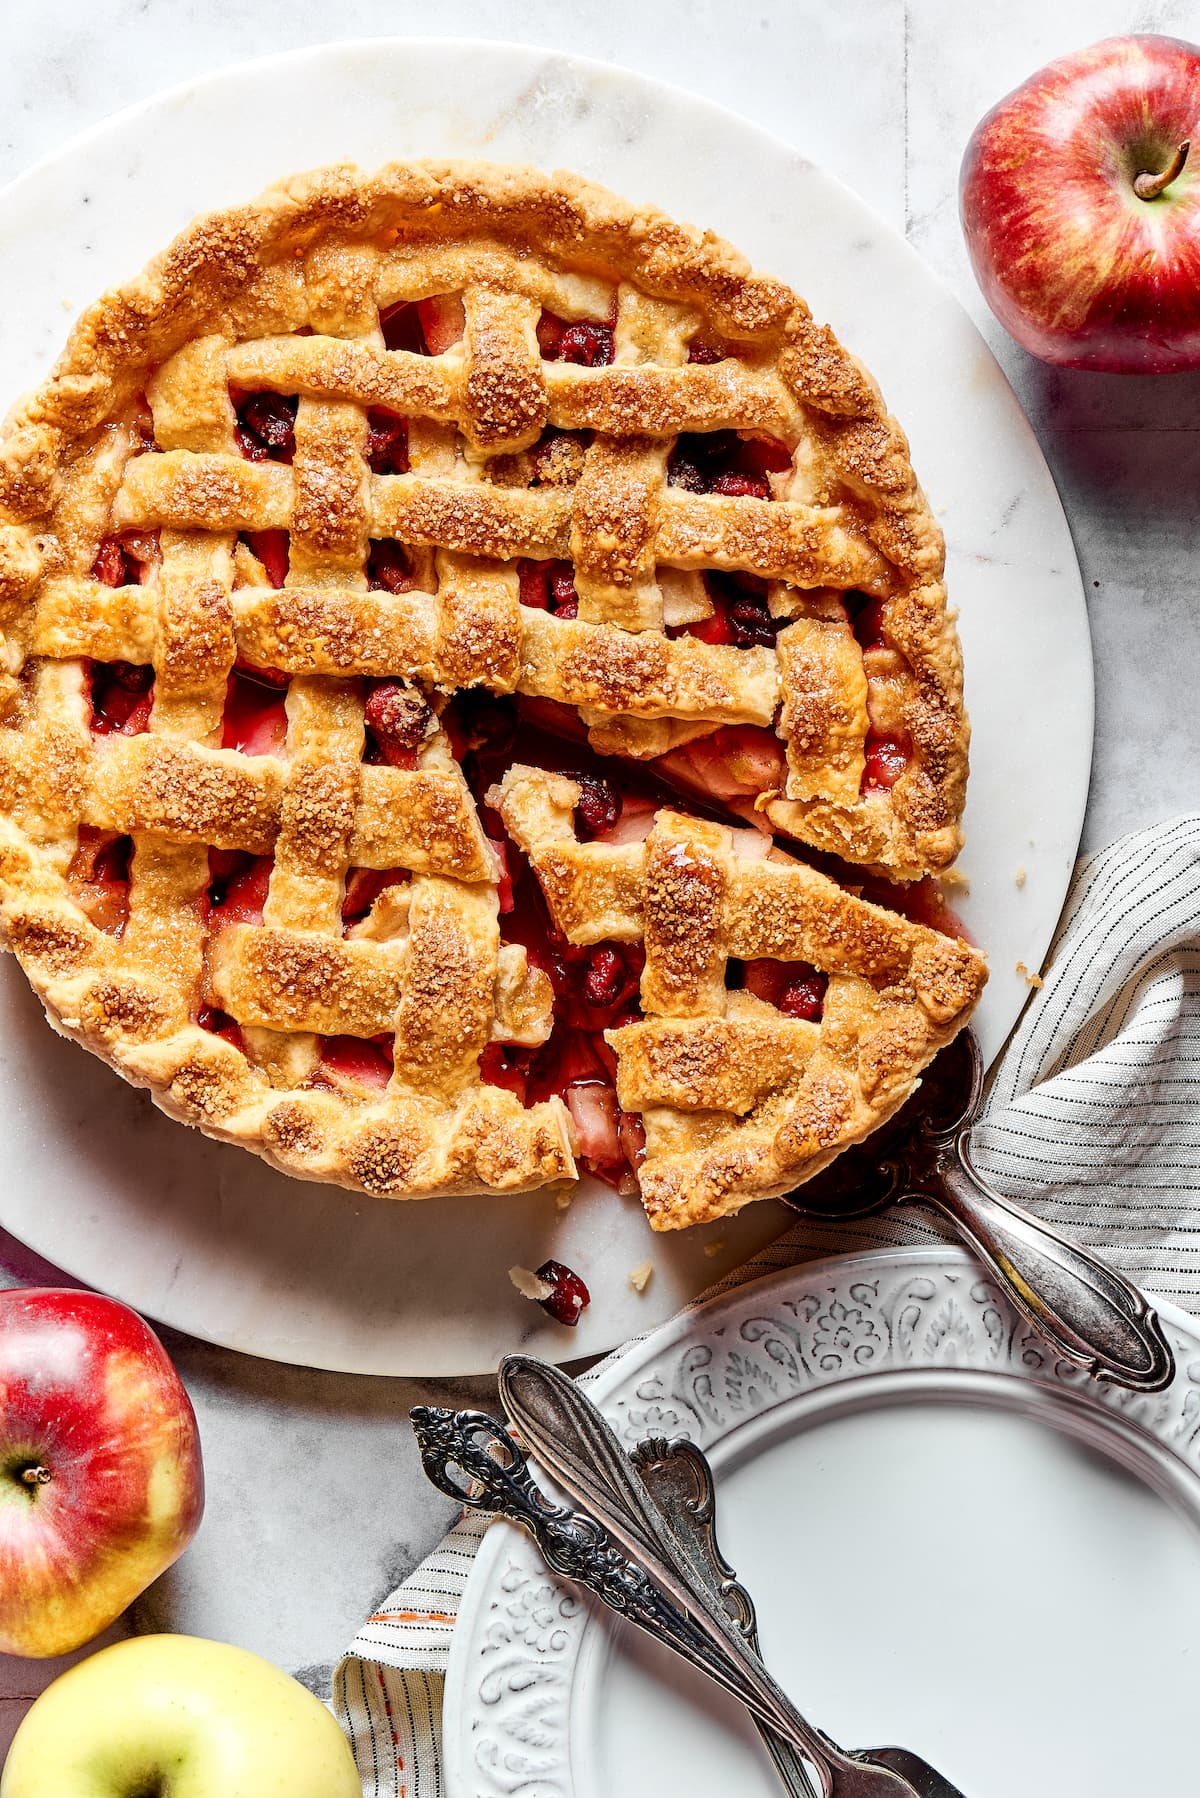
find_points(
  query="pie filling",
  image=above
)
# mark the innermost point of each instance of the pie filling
(596, 988)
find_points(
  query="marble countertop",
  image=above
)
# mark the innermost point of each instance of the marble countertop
(316, 1505)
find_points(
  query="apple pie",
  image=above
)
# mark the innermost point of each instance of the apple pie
(478, 699)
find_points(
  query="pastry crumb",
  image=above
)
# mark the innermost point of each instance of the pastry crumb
(1029, 979)
(715, 1248)
(955, 879)
(1019, 876)
(528, 1284)
(640, 1277)
(563, 1196)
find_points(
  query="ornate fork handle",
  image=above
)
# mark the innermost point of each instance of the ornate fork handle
(495, 1477)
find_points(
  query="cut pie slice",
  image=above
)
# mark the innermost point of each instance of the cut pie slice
(749, 1087)
(346, 467)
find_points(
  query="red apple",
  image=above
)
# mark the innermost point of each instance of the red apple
(101, 1485)
(1081, 207)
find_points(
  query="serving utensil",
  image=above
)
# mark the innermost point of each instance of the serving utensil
(1088, 1311)
(572, 1440)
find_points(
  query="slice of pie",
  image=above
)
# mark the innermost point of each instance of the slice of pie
(424, 598)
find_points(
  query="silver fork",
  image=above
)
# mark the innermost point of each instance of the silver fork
(681, 1483)
(572, 1440)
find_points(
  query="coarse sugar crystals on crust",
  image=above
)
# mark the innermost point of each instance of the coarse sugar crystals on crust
(372, 441)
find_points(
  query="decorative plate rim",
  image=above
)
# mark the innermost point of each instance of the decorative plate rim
(719, 1366)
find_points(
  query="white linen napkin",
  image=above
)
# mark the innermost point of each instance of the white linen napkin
(1093, 1122)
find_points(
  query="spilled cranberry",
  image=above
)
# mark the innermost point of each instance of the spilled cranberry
(570, 1296)
(599, 805)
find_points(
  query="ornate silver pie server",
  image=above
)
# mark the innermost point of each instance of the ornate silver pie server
(571, 1439)
(472, 1458)
(1088, 1311)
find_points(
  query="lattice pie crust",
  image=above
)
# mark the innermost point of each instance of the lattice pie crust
(519, 449)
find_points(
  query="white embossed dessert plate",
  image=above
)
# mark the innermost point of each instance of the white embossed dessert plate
(954, 1542)
(207, 1238)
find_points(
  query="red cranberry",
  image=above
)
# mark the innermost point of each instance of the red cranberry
(273, 550)
(564, 599)
(387, 443)
(750, 623)
(498, 1067)
(739, 486)
(397, 715)
(534, 579)
(556, 457)
(886, 758)
(686, 472)
(387, 568)
(599, 805)
(589, 344)
(570, 1296)
(268, 421)
(704, 352)
(605, 977)
(265, 677)
(804, 996)
(112, 564)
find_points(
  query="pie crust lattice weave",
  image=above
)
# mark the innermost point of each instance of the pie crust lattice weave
(603, 354)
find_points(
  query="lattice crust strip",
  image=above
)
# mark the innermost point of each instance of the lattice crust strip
(288, 297)
(737, 1098)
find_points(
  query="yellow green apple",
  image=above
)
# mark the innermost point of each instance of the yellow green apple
(178, 1717)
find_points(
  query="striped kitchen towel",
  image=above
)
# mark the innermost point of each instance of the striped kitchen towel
(1093, 1121)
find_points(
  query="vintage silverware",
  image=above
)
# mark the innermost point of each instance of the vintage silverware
(681, 1483)
(472, 1458)
(1088, 1311)
(573, 1442)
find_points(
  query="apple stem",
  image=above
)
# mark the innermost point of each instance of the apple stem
(36, 1476)
(1148, 187)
